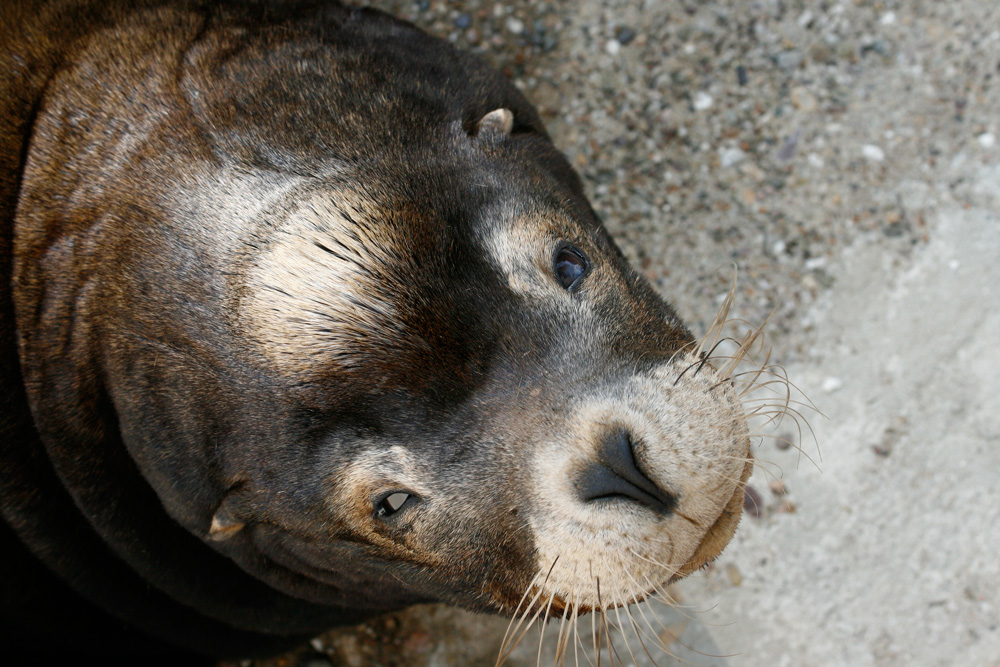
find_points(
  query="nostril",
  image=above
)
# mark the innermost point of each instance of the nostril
(616, 475)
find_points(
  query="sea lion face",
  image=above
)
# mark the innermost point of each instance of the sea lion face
(498, 405)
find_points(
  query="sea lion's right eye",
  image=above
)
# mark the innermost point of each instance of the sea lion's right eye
(569, 266)
(392, 503)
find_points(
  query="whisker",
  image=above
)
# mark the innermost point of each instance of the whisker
(515, 614)
(721, 318)
(514, 642)
(541, 631)
(560, 641)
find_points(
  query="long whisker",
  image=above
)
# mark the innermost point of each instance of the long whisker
(514, 642)
(514, 616)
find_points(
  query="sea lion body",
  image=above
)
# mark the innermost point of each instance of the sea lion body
(304, 319)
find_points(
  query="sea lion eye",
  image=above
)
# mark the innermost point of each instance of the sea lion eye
(569, 266)
(391, 503)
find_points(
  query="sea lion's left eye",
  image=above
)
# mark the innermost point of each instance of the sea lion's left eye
(569, 266)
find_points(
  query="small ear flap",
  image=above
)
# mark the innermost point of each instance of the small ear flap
(226, 521)
(495, 126)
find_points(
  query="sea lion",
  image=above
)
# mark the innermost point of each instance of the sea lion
(303, 319)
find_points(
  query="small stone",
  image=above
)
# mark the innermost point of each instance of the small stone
(832, 384)
(624, 35)
(987, 140)
(789, 59)
(888, 18)
(821, 53)
(873, 152)
(731, 156)
(789, 147)
(702, 101)
(803, 99)
(741, 75)
(778, 488)
(612, 47)
(753, 504)
(463, 21)
(734, 574)
(515, 25)
(879, 450)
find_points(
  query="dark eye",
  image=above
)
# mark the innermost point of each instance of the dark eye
(392, 503)
(569, 266)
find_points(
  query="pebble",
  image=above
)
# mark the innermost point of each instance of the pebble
(731, 156)
(624, 35)
(741, 75)
(515, 26)
(987, 140)
(753, 504)
(778, 488)
(873, 152)
(832, 384)
(789, 59)
(612, 47)
(702, 101)
(803, 99)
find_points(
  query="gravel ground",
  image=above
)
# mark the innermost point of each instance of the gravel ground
(843, 155)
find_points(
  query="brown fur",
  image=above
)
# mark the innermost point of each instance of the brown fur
(266, 263)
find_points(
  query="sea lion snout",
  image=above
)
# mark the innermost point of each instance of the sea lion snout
(640, 490)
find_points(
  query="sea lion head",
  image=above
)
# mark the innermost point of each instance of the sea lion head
(350, 316)
(480, 398)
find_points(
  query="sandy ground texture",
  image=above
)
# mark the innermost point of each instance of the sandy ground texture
(844, 155)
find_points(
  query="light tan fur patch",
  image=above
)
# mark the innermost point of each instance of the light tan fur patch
(327, 287)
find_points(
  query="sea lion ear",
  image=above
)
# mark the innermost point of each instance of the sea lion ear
(227, 521)
(495, 126)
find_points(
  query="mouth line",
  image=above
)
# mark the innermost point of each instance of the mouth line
(556, 606)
